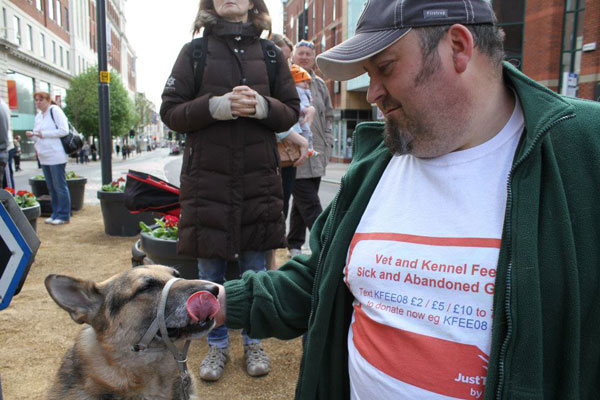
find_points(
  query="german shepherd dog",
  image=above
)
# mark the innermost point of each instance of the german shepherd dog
(104, 362)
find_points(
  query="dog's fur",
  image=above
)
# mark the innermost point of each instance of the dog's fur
(118, 311)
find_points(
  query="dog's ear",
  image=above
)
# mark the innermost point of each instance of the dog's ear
(81, 299)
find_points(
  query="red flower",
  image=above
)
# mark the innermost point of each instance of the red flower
(121, 179)
(23, 193)
(10, 190)
(171, 221)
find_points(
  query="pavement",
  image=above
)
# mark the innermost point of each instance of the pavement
(157, 162)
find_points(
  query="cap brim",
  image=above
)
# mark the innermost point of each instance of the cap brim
(345, 61)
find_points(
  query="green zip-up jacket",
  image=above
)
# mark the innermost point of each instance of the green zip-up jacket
(546, 328)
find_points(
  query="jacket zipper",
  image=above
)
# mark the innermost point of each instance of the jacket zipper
(315, 299)
(189, 166)
(507, 296)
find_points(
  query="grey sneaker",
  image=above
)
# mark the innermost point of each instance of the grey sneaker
(257, 361)
(213, 364)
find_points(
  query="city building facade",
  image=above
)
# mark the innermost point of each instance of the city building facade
(45, 43)
(553, 41)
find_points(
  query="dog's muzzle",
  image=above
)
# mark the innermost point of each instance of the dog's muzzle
(159, 325)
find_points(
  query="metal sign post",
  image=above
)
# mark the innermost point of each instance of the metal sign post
(103, 95)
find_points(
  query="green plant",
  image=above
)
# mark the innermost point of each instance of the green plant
(115, 186)
(68, 175)
(23, 198)
(166, 228)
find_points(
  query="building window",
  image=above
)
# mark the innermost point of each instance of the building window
(58, 13)
(67, 55)
(43, 45)
(511, 18)
(60, 51)
(572, 42)
(4, 23)
(54, 52)
(17, 29)
(38, 4)
(29, 37)
(51, 9)
(333, 11)
(66, 15)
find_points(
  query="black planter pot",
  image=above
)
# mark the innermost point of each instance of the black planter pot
(76, 190)
(118, 220)
(164, 252)
(38, 187)
(32, 213)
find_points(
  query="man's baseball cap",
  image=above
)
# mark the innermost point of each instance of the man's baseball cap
(384, 22)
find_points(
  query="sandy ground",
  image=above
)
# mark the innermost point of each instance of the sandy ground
(35, 332)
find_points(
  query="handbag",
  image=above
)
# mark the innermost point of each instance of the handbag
(72, 142)
(288, 153)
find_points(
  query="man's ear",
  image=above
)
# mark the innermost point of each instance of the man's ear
(81, 299)
(462, 43)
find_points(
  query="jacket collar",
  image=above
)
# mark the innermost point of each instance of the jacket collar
(541, 106)
(225, 28)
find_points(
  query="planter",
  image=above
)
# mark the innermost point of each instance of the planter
(76, 190)
(164, 252)
(32, 213)
(118, 220)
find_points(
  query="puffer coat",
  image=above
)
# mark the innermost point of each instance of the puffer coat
(231, 196)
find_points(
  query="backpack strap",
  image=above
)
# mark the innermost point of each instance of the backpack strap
(270, 55)
(199, 46)
(52, 116)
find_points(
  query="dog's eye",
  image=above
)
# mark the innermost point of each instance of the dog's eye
(148, 285)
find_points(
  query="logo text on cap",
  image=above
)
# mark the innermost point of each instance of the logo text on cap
(435, 14)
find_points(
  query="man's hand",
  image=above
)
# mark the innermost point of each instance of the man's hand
(299, 140)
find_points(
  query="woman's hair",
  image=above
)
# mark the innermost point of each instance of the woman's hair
(207, 16)
(281, 40)
(43, 95)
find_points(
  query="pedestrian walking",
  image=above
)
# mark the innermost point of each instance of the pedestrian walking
(460, 256)
(231, 196)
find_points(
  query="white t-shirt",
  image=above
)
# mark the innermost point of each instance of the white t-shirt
(422, 269)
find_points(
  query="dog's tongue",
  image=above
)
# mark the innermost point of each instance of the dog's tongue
(201, 306)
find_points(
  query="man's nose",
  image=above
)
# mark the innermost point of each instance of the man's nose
(375, 91)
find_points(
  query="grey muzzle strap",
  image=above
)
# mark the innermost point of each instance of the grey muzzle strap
(159, 324)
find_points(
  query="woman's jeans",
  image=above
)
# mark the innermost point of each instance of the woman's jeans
(59, 191)
(214, 270)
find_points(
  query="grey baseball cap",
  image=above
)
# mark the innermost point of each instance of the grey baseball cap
(384, 22)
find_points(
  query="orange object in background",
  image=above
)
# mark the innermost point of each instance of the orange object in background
(13, 101)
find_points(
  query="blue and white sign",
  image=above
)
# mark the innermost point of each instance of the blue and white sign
(14, 257)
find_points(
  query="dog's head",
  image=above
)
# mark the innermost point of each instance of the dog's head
(121, 309)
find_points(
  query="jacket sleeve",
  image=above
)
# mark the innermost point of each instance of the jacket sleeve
(276, 303)
(181, 110)
(284, 104)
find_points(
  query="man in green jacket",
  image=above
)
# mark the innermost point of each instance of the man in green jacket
(460, 258)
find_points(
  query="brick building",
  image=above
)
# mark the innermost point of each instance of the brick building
(44, 43)
(553, 41)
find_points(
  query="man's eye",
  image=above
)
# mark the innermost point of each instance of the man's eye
(383, 68)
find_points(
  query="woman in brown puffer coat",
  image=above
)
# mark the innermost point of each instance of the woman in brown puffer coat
(231, 194)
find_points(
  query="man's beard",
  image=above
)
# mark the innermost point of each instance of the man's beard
(396, 138)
